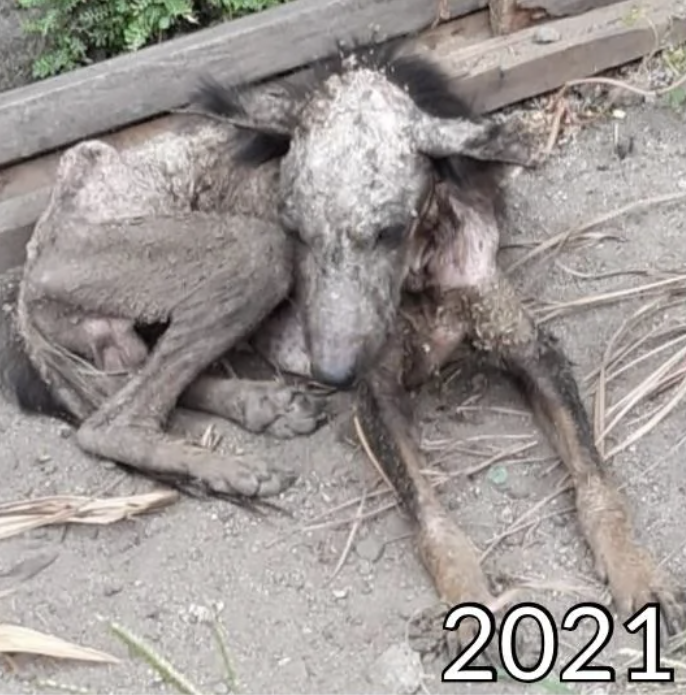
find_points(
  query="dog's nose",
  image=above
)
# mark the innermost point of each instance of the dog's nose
(340, 375)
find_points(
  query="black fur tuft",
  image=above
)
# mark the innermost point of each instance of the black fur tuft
(218, 99)
(256, 147)
(19, 379)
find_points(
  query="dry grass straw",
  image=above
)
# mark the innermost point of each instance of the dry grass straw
(491, 455)
(585, 232)
(15, 639)
(25, 515)
(623, 353)
(634, 344)
(165, 669)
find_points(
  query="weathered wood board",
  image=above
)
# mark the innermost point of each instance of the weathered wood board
(492, 71)
(504, 70)
(513, 15)
(133, 87)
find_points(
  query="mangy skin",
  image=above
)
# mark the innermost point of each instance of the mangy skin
(391, 199)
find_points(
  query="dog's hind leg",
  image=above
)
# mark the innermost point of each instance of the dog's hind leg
(237, 270)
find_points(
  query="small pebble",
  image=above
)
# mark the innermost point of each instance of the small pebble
(294, 671)
(112, 590)
(498, 475)
(370, 548)
(398, 670)
(546, 34)
(199, 614)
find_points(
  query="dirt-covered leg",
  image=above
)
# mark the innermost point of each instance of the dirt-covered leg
(535, 359)
(128, 427)
(450, 557)
(115, 350)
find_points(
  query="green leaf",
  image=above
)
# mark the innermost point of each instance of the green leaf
(677, 98)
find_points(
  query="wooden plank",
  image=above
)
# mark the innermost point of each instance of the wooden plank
(133, 87)
(13, 247)
(468, 31)
(505, 70)
(563, 8)
(460, 8)
(508, 16)
(493, 72)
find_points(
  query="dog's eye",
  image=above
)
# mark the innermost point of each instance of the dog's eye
(391, 236)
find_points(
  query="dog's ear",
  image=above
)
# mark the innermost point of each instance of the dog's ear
(445, 137)
(270, 110)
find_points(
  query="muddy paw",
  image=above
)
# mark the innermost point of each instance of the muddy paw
(284, 412)
(635, 580)
(428, 635)
(193, 468)
(244, 478)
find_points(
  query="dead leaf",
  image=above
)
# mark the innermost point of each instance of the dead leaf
(15, 639)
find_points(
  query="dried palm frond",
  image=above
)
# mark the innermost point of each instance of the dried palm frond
(15, 639)
(24, 515)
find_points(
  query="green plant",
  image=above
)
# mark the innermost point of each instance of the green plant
(79, 32)
(675, 59)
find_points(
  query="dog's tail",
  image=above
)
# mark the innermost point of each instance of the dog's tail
(19, 379)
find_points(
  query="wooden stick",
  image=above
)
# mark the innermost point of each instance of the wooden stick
(504, 70)
(513, 15)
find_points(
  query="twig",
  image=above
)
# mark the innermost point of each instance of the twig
(351, 538)
(564, 485)
(560, 111)
(558, 241)
(231, 680)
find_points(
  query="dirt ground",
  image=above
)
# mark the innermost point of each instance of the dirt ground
(289, 627)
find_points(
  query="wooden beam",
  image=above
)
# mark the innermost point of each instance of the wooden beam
(460, 8)
(508, 16)
(133, 87)
(13, 247)
(493, 72)
(504, 70)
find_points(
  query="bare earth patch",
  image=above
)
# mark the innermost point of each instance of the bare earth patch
(288, 625)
